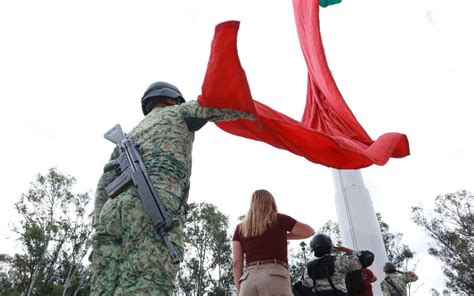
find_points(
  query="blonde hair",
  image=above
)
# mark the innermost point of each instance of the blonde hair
(262, 214)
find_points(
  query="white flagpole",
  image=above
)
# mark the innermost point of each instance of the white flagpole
(357, 220)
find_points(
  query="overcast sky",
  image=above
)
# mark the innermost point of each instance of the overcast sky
(69, 71)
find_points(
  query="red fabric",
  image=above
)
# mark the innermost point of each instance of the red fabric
(329, 134)
(367, 275)
(272, 244)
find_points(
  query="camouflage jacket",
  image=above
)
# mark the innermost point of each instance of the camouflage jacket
(165, 138)
(400, 280)
(342, 265)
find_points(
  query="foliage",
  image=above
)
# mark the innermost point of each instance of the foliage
(207, 266)
(399, 254)
(450, 225)
(435, 292)
(297, 260)
(54, 233)
(331, 228)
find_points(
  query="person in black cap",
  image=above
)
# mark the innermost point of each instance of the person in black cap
(395, 282)
(326, 274)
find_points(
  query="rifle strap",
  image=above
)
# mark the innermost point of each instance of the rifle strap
(391, 283)
(183, 206)
(332, 284)
(314, 287)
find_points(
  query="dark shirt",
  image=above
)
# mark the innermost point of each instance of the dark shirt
(367, 275)
(272, 244)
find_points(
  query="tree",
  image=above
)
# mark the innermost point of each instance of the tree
(435, 292)
(399, 254)
(297, 260)
(331, 228)
(450, 225)
(54, 232)
(207, 266)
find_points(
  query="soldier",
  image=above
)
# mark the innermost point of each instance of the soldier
(129, 257)
(326, 274)
(395, 282)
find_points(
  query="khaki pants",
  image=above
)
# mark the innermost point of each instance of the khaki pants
(265, 280)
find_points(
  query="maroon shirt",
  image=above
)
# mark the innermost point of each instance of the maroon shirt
(367, 275)
(272, 244)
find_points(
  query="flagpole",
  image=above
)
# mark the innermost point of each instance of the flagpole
(357, 220)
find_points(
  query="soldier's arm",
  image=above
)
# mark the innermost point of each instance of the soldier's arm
(410, 276)
(385, 289)
(196, 116)
(307, 281)
(238, 265)
(101, 196)
(347, 263)
(100, 193)
(344, 249)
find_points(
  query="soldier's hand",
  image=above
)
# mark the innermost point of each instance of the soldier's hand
(344, 249)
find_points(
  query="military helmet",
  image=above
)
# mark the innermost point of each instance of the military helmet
(389, 267)
(157, 90)
(320, 244)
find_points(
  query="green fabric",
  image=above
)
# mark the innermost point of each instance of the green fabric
(325, 3)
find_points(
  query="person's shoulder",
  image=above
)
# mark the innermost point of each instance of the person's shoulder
(342, 257)
(188, 107)
(283, 216)
(236, 235)
(398, 277)
(286, 219)
(368, 271)
(192, 103)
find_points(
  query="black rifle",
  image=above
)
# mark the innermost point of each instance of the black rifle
(131, 170)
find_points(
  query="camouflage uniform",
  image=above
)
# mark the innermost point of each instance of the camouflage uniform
(129, 257)
(342, 265)
(400, 280)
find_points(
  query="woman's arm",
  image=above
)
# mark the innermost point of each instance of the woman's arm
(300, 231)
(238, 264)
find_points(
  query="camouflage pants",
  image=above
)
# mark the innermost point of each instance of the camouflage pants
(129, 257)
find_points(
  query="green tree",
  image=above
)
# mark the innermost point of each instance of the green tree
(397, 252)
(54, 232)
(331, 228)
(207, 266)
(297, 260)
(450, 224)
(435, 292)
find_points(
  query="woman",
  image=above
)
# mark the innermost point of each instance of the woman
(262, 238)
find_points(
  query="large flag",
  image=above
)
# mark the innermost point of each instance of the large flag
(329, 134)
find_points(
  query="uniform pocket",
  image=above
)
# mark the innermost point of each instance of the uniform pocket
(244, 277)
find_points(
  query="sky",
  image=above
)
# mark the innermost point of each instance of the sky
(71, 70)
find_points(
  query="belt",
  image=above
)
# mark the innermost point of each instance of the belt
(269, 261)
